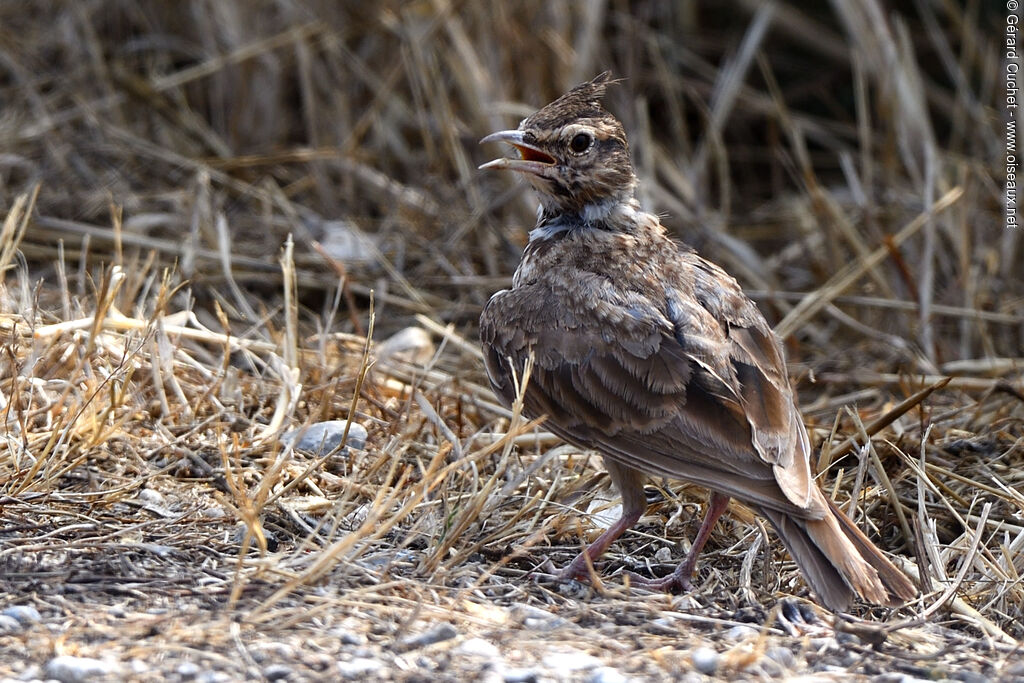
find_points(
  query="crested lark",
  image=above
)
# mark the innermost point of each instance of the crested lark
(654, 357)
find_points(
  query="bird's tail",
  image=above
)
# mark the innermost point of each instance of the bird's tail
(839, 561)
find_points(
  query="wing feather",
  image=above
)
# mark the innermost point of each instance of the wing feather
(692, 386)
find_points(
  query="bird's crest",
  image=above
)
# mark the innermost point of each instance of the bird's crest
(582, 102)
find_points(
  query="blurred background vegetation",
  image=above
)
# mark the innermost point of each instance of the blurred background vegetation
(784, 140)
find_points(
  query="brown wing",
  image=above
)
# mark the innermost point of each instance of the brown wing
(691, 386)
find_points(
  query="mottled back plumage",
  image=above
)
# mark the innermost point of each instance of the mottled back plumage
(654, 357)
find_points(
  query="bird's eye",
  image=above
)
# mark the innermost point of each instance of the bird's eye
(579, 143)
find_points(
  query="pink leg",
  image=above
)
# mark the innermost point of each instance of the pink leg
(630, 484)
(680, 578)
(577, 569)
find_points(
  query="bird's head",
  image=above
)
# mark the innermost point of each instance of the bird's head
(572, 151)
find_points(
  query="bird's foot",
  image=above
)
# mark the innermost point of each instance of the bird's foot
(676, 582)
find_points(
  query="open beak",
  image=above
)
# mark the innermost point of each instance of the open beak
(532, 159)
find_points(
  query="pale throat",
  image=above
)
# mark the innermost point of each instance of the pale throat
(610, 213)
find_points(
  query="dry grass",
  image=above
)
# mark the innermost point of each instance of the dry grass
(160, 330)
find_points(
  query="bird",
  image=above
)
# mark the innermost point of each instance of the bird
(653, 356)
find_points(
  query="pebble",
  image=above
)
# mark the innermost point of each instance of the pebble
(770, 668)
(32, 672)
(438, 634)
(358, 667)
(9, 624)
(411, 345)
(521, 676)
(969, 676)
(738, 633)
(705, 660)
(1015, 669)
(151, 496)
(782, 656)
(823, 644)
(664, 555)
(477, 647)
(847, 639)
(607, 674)
(241, 530)
(346, 637)
(277, 672)
(574, 590)
(571, 660)
(23, 614)
(324, 437)
(188, 670)
(663, 626)
(68, 669)
(537, 619)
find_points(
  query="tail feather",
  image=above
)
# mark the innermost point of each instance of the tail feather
(895, 581)
(839, 561)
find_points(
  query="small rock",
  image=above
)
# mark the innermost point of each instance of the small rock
(411, 345)
(68, 669)
(782, 656)
(770, 668)
(23, 614)
(32, 672)
(968, 676)
(1013, 671)
(439, 633)
(847, 639)
(536, 619)
(277, 672)
(358, 667)
(705, 660)
(823, 644)
(388, 558)
(738, 633)
(151, 496)
(188, 670)
(212, 677)
(9, 624)
(663, 626)
(607, 674)
(346, 637)
(477, 647)
(574, 590)
(268, 536)
(521, 676)
(571, 660)
(322, 438)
